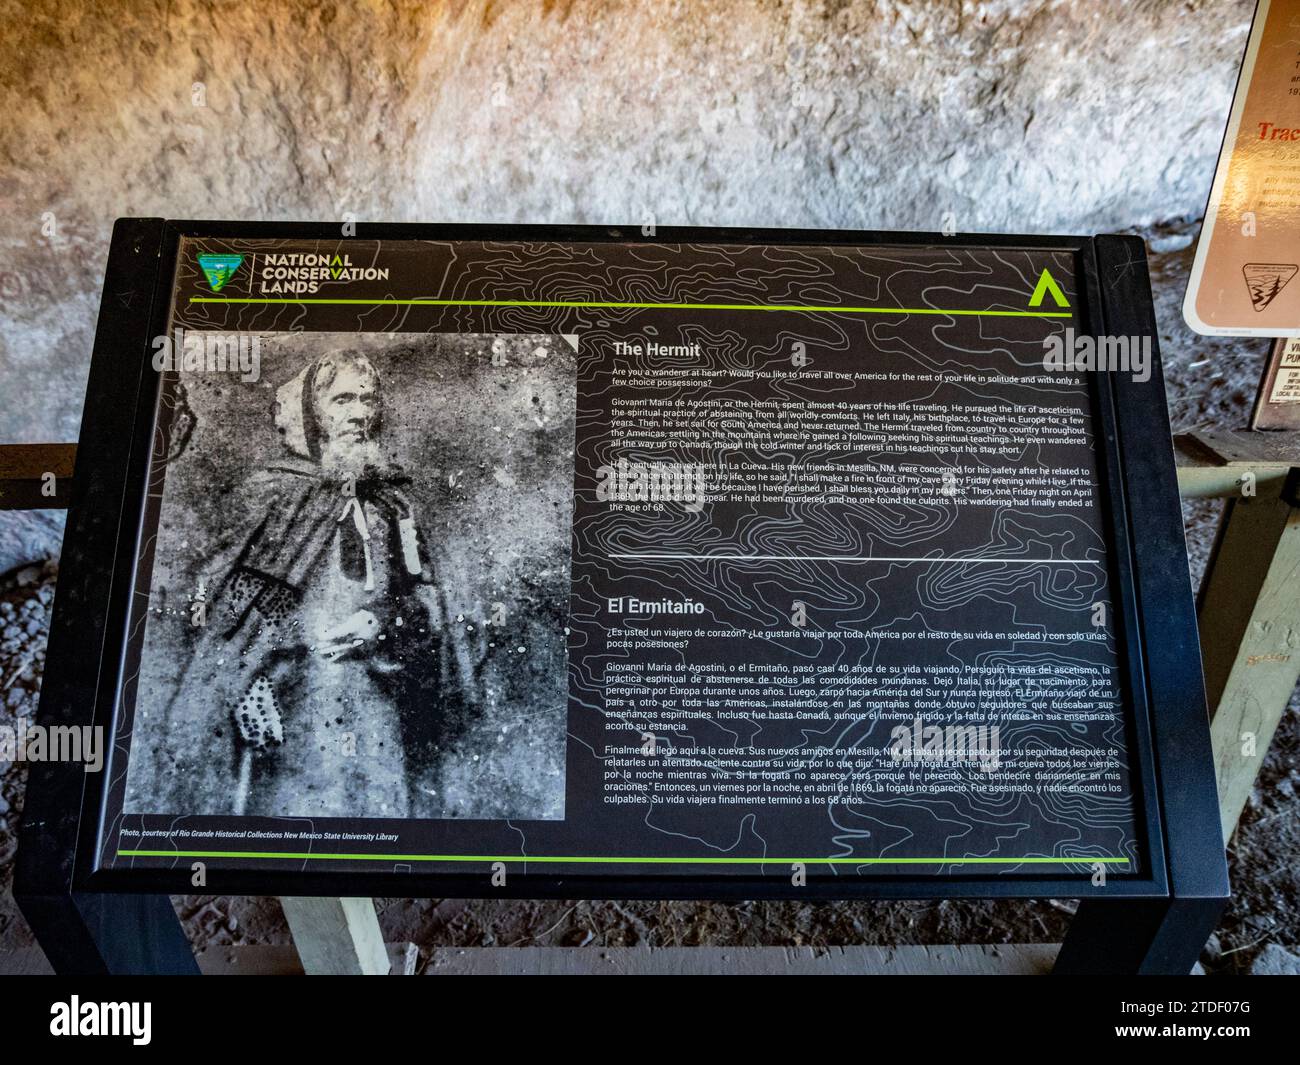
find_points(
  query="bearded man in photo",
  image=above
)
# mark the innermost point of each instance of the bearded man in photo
(334, 680)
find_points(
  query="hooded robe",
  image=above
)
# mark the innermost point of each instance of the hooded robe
(261, 722)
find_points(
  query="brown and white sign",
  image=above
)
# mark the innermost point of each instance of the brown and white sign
(1244, 279)
(1278, 405)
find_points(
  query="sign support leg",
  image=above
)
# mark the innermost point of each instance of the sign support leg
(1147, 937)
(109, 934)
(336, 937)
(1250, 616)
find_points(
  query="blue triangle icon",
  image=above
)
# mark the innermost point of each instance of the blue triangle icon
(219, 269)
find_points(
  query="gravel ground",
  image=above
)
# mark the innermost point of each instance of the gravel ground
(1210, 383)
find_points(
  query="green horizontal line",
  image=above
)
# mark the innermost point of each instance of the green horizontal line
(599, 860)
(640, 306)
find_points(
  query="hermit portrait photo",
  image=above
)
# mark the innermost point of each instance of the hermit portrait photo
(360, 581)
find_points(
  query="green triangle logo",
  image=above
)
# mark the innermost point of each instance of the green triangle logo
(219, 269)
(1047, 285)
(336, 267)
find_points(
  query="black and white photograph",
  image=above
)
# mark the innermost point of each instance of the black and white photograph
(360, 581)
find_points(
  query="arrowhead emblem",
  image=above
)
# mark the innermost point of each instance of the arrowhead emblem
(1266, 280)
(1047, 286)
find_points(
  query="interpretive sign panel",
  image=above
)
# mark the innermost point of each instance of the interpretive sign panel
(459, 559)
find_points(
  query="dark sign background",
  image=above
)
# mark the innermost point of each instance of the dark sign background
(1038, 568)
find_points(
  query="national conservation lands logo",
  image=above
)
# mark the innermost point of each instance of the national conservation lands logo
(302, 273)
(1266, 280)
(219, 269)
(287, 273)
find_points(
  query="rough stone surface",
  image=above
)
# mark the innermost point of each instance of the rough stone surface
(1276, 961)
(1014, 116)
(28, 535)
(1055, 116)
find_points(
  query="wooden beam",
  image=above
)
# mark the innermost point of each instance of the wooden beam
(336, 937)
(29, 461)
(1249, 618)
(25, 482)
(1001, 960)
(1220, 465)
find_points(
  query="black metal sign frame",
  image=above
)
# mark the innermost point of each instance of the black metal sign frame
(97, 919)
